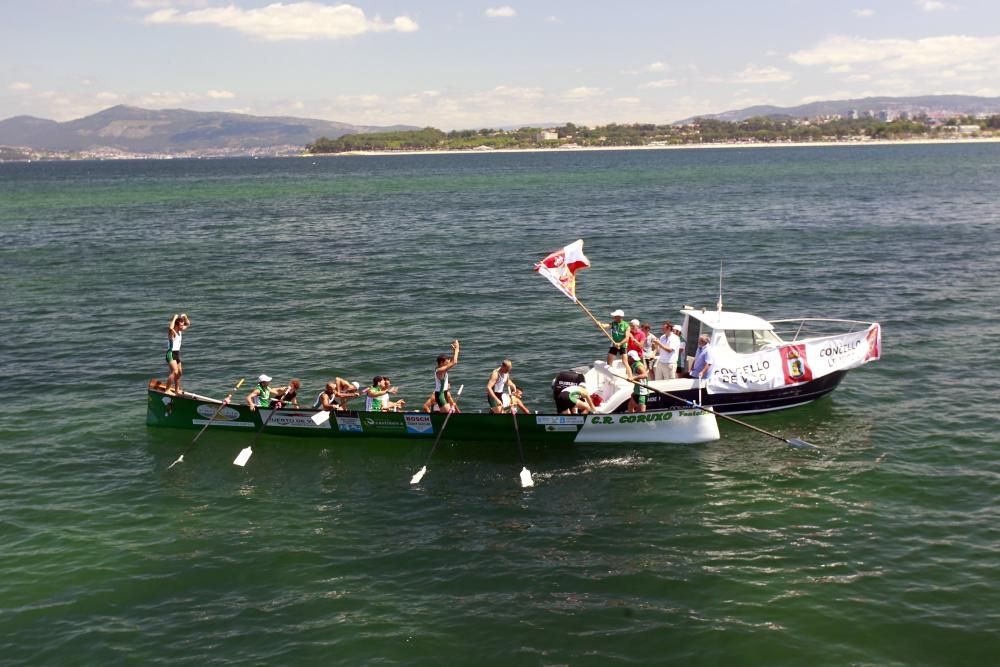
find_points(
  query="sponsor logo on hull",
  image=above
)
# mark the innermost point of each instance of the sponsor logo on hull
(202, 422)
(382, 422)
(544, 420)
(349, 424)
(293, 419)
(419, 424)
(226, 413)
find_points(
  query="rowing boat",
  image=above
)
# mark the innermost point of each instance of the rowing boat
(679, 426)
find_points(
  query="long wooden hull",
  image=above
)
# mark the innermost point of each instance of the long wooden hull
(660, 426)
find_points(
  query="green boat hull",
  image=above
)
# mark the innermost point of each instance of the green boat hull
(191, 411)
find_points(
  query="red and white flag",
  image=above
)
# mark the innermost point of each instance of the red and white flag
(561, 266)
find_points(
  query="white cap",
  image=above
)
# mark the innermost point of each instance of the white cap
(632, 354)
(264, 378)
(357, 385)
(677, 329)
(634, 323)
(618, 313)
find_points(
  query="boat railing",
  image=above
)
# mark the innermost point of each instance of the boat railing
(802, 328)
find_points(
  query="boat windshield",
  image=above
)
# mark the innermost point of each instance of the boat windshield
(748, 341)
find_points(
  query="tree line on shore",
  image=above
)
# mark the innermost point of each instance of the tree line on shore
(757, 130)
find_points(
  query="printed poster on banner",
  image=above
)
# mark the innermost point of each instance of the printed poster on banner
(794, 364)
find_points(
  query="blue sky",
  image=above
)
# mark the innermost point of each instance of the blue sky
(460, 64)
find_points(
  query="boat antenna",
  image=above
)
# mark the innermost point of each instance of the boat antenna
(719, 304)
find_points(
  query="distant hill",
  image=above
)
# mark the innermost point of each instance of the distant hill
(175, 131)
(957, 104)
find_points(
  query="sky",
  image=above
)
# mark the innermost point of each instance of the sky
(457, 64)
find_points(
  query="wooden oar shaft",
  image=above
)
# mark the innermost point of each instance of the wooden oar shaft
(263, 426)
(218, 410)
(440, 433)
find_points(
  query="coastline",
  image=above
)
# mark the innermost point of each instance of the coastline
(574, 149)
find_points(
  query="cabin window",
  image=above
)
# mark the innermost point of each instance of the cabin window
(691, 337)
(748, 341)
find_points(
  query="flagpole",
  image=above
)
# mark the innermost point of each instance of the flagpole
(596, 321)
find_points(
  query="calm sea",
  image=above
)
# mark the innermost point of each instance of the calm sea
(882, 549)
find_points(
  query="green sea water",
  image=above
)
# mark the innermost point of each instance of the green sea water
(881, 549)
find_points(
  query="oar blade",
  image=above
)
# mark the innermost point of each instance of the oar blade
(180, 459)
(419, 476)
(321, 417)
(526, 480)
(243, 457)
(800, 444)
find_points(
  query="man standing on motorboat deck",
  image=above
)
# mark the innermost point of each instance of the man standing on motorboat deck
(636, 337)
(669, 345)
(703, 361)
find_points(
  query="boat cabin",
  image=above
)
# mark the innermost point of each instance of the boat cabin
(739, 332)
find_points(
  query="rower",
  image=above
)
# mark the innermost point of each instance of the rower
(637, 371)
(287, 394)
(499, 387)
(441, 384)
(378, 396)
(260, 397)
(336, 394)
(578, 399)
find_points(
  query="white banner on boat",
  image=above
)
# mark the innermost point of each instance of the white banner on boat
(793, 363)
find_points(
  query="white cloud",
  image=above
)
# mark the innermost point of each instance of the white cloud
(293, 21)
(754, 74)
(518, 92)
(19, 86)
(161, 4)
(504, 12)
(105, 96)
(932, 5)
(919, 57)
(167, 98)
(552, 19)
(864, 13)
(660, 83)
(657, 67)
(628, 100)
(221, 94)
(581, 93)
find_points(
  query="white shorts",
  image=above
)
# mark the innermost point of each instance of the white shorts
(664, 372)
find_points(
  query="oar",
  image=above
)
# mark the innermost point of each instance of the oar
(526, 480)
(793, 442)
(244, 455)
(423, 471)
(225, 402)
